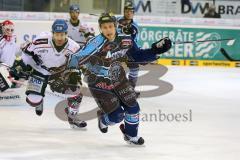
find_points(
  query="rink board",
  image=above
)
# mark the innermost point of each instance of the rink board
(199, 63)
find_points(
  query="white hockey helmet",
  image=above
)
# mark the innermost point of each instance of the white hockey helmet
(7, 28)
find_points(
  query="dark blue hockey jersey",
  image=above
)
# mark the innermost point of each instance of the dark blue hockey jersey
(98, 55)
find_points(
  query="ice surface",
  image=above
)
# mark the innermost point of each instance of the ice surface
(212, 94)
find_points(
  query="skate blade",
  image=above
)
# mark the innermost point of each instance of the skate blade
(133, 145)
(74, 127)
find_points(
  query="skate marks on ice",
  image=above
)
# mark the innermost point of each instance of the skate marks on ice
(212, 94)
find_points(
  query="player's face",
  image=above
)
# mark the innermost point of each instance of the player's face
(108, 30)
(128, 14)
(59, 38)
(8, 30)
(74, 15)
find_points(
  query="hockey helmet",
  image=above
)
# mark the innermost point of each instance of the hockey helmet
(7, 27)
(59, 25)
(74, 8)
(107, 17)
(129, 6)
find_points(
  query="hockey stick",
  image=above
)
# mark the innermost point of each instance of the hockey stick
(7, 66)
(92, 14)
(226, 55)
(47, 91)
(229, 43)
(23, 84)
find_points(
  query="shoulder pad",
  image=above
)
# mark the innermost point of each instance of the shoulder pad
(93, 45)
(122, 21)
(98, 40)
(135, 24)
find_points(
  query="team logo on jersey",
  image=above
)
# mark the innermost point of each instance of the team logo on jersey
(117, 54)
(116, 72)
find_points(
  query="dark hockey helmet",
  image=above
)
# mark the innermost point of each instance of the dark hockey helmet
(59, 25)
(129, 6)
(74, 8)
(106, 18)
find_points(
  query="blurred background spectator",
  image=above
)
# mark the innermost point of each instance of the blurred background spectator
(211, 12)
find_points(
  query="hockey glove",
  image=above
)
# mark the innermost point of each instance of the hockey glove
(162, 45)
(20, 70)
(57, 85)
(73, 77)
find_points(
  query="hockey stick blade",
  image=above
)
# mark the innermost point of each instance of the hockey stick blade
(226, 55)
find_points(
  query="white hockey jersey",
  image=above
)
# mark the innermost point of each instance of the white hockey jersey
(8, 50)
(50, 59)
(78, 33)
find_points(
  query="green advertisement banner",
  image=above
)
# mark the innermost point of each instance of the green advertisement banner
(197, 51)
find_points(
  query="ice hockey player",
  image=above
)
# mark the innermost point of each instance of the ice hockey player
(77, 31)
(128, 26)
(106, 78)
(9, 50)
(8, 47)
(47, 55)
